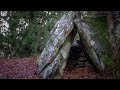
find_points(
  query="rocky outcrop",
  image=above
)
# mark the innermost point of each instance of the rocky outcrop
(53, 58)
(57, 48)
(91, 44)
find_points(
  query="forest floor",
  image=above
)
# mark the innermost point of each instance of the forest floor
(25, 68)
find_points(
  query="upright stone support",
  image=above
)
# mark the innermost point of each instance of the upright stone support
(58, 46)
(92, 45)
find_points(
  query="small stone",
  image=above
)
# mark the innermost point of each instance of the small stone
(82, 59)
(87, 64)
(79, 65)
(82, 54)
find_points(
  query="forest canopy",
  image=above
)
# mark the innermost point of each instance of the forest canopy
(24, 33)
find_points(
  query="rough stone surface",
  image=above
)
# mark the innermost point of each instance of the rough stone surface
(60, 58)
(77, 57)
(92, 45)
(54, 52)
(52, 60)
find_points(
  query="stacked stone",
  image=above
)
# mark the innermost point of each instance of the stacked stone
(78, 56)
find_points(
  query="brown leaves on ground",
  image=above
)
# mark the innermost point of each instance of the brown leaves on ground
(85, 73)
(18, 68)
(25, 68)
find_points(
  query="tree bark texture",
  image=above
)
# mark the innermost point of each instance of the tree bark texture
(114, 29)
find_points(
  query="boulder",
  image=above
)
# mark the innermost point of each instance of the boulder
(91, 44)
(58, 46)
(53, 59)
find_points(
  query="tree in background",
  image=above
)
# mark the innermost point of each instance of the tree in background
(114, 32)
(24, 33)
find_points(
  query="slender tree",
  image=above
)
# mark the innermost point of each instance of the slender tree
(113, 19)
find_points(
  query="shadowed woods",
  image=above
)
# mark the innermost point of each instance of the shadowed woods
(72, 45)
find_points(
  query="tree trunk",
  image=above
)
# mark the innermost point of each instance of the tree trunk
(114, 32)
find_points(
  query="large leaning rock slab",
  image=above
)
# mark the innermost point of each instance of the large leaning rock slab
(92, 45)
(59, 34)
(60, 59)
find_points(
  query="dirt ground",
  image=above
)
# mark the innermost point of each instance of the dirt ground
(25, 68)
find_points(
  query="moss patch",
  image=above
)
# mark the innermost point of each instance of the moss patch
(99, 27)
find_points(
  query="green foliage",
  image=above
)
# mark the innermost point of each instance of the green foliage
(77, 37)
(108, 61)
(21, 40)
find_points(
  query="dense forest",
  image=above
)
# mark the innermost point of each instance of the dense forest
(26, 36)
(24, 33)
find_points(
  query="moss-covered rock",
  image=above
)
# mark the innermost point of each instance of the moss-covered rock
(100, 29)
(56, 49)
(94, 36)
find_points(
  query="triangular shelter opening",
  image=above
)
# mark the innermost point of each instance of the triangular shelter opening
(53, 59)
